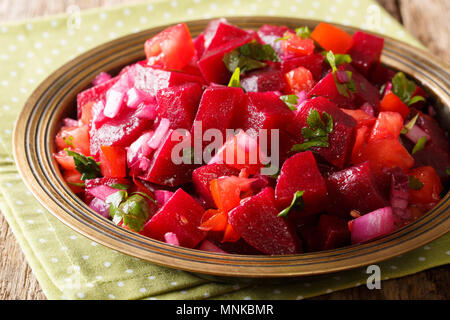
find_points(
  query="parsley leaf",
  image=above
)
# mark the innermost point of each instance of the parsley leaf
(291, 101)
(410, 124)
(303, 32)
(297, 201)
(404, 88)
(421, 142)
(447, 170)
(334, 60)
(68, 140)
(235, 80)
(249, 56)
(316, 134)
(414, 183)
(87, 166)
(120, 186)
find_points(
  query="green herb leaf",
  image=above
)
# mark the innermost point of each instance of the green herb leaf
(249, 56)
(235, 79)
(316, 134)
(87, 166)
(81, 185)
(120, 186)
(114, 200)
(297, 201)
(403, 88)
(421, 142)
(331, 59)
(303, 32)
(145, 195)
(410, 124)
(336, 59)
(291, 101)
(415, 99)
(414, 183)
(447, 170)
(68, 140)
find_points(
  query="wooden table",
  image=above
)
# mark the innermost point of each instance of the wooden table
(427, 20)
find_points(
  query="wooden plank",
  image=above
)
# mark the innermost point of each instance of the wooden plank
(427, 20)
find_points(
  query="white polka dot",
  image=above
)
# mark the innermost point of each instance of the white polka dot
(143, 20)
(73, 237)
(55, 51)
(99, 277)
(29, 26)
(13, 73)
(112, 35)
(316, 4)
(18, 202)
(107, 264)
(151, 278)
(20, 37)
(422, 259)
(4, 56)
(183, 291)
(64, 248)
(103, 15)
(120, 284)
(51, 229)
(89, 285)
(119, 23)
(85, 257)
(426, 248)
(88, 39)
(153, 298)
(30, 221)
(126, 11)
(80, 295)
(46, 35)
(448, 253)
(393, 267)
(54, 260)
(94, 244)
(351, 13)
(173, 283)
(299, 298)
(174, 3)
(76, 268)
(95, 27)
(206, 294)
(4, 29)
(167, 15)
(80, 49)
(12, 47)
(111, 296)
(54, 23)
(47, 60)
(150, 7)
(247, 298)
(129, 271)
(42, 240)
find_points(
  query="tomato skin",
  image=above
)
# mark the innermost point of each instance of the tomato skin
(332, 38)
(299, 79)
(431, 189)
(362, 134)
(72, 176)
(296, 45)
(113, 162)
(226, 193)
(172, 48)
(388, 125)
(391, 102)
(74, 138)
(361, 117)
(86, 113)
(65, 161)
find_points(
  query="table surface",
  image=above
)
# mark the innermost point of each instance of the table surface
(426, 20)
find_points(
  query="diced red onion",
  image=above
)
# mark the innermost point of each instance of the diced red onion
(101, 78)
(139, 149)
(387, 88)
(114, 101)
(399, 194)
(171, 238)
(207, 245)
(368, 108)
(68, 122)
(372, 225)
(97, 112)
(416, 133)
(161, 197)
(100, 206)
(102, 192)
(146, 110)
(159, 133)
(135, 97)
(342, 76)
(431, 111)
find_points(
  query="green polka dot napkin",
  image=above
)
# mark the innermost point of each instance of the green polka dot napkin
(68, 265)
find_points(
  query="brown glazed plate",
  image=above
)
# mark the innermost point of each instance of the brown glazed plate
(55, 98)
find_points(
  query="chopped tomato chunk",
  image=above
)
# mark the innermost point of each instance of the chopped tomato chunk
(332, 38)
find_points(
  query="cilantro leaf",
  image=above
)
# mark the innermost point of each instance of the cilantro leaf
(414, 183)
(87, 166)
(249, 56)
(447, 170)
(421, 142)
(114, 200)
(334, 60)
(235, 78)
(297, 201)
(120, 186)
(410, 124)
(68, 140)
(303, 32)
(316, 134)
(291, 101)
(404, 88)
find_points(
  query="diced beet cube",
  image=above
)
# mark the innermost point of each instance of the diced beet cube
(265, 110)
(121, 131)
(333, 231)
(431, 126)
(151, 80)
(110, 182)
(311, 239)
(342, 138)
(269, 35)
(436, 157)
(211, 64)
(326, 87)
(179, 104)
(224, 34)
(256, 221)
(201, 177)
(181, 215)
(237, 247)
(94, 94)
(380, 75)
(365, 51)
(300, 173)
(354, 188)
(264, 80)
(313, 63)
(199, 45)
(217, 108)
(163, 170)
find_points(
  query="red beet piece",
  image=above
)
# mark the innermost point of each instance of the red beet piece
(151, 80)
(181, 215)
(342, 138)
(300, 172)
(267, 79)
(179, 104)
(163, 170)
(365, 51)
(121, 131)
(201, 177)
(224, 34)
(265, 110)
(354, 188)
(326, 87)
(313, 63)
(333, 232)
(211, 64)
(311, 238)
(94, 94)
(434, 156)
(217, 107)
(380, 75)
(199, 45)
(256, 221)
(269, 35)
(92, 183)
